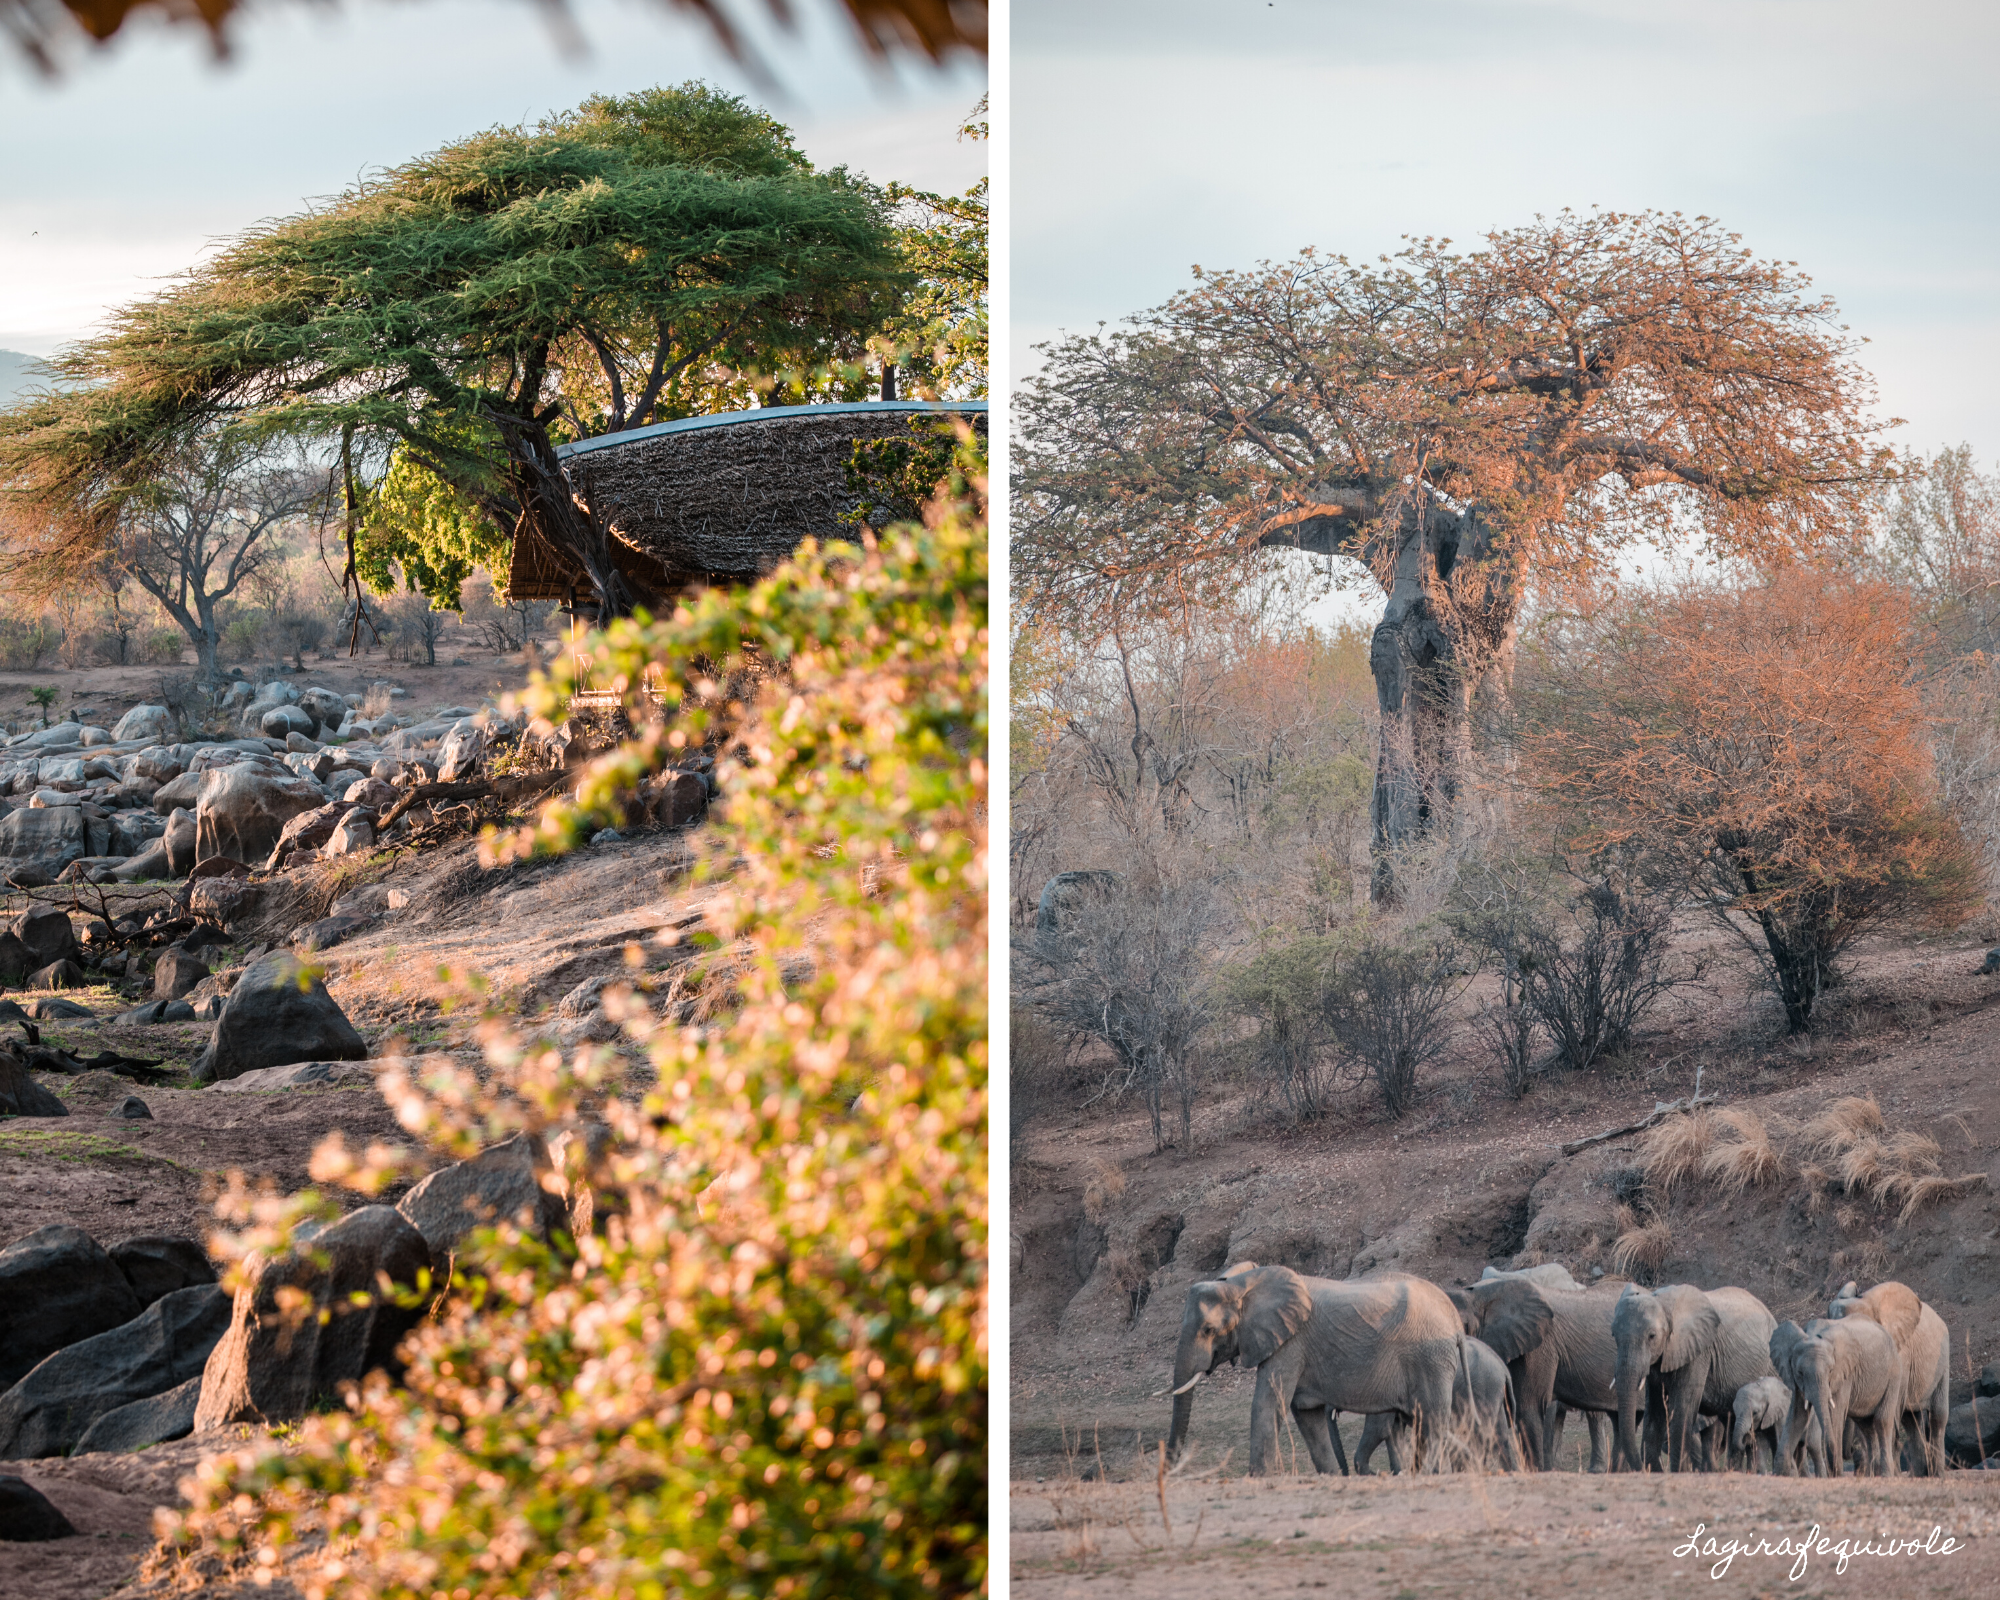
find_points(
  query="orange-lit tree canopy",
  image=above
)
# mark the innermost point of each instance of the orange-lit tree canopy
(1763, 749)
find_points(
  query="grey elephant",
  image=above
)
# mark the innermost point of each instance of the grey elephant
(1758, 1424)
(1690, 1350)
(1482, 1414)
(1841, 1370)
(1560, 1353)
(1549, 1274)
(1925, 1345)
(1387, 1344)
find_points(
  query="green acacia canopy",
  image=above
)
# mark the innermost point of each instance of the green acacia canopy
(468, 309)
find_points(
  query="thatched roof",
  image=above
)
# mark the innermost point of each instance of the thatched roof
(720, 499)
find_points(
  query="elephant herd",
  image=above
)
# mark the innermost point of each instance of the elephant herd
(1689, 1378)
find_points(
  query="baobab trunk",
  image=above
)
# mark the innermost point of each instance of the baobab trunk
(1447, 628)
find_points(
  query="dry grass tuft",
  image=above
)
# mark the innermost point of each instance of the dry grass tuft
(1841, 1125)
(1816, 1179)
(1913, 1152)
(1642, 1244)
(1104, 1189)
(1856, 1153)
(1933, 1188)
(1861, 1168)
(1672, 1151)
(1747, 1158)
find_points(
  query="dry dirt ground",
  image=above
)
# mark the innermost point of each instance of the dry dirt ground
(109, 1500)
(1107, 1233)
(532, 932)
(1401, 1538)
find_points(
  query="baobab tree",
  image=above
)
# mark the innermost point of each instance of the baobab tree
(1456, 422)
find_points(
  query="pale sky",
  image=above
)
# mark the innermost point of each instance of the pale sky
(1858, 137)
(123, 172)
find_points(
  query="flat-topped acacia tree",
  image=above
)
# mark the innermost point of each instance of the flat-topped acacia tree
(1457, 422)
(465, 310)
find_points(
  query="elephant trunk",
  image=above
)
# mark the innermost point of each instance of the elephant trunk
(1832, 1440)
(1631, 1380)
(1190, 1362)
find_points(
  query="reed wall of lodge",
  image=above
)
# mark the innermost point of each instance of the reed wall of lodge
(722, 499)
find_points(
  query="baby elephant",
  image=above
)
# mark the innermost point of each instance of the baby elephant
(1762, 1405)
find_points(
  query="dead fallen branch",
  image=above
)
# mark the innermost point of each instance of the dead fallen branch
(506, 790)
(1660, 1112)
(432, 794)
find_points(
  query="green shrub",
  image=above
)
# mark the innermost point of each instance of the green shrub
(766, 1374)
(24, 646)
(241, 638)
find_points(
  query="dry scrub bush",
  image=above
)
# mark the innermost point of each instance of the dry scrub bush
(1289, 1054)
(1761, 748)
(1390, 1008)
(1130, 969)
(1591, 993)
(766, 1373)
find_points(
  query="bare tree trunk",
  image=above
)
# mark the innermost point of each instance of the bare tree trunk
(550, 505)
(1447, 627)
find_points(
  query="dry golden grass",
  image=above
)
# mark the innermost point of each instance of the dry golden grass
(1861, 1168)
(1910, 1151)
(1933, 1188)
(1903, 1170)
(1105, 1187)
(1841, 1125)
(1847, 1149)
(1642, 1242)
(1672, 1151)
(1745, 1157)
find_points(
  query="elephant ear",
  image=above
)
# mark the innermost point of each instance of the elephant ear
(1696, 1326)
(1785, 1341)
(1276, 1304)
(1897, 1308)
(1467, 1309)
(1517, 1319)
(1242, 1269)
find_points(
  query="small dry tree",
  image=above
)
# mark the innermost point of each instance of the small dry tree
(1591, 992)
(1291, 1053)
(1390, 1009)
(1131, 968)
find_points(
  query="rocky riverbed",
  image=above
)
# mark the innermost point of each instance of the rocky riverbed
(211, 954)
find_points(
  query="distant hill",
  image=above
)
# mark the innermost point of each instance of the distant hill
(18, 374)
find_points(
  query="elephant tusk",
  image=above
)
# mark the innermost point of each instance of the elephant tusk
(1183, 1389)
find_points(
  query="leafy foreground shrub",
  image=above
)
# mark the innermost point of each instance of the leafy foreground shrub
(767, 1374)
